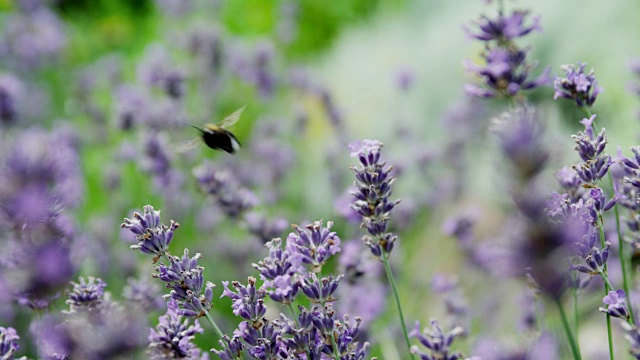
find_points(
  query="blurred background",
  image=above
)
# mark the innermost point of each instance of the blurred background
(101, 92)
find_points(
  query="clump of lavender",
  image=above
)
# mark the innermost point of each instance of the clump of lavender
(94, 326)
(288, 272)
(172, 337)
(32, 36)
(577, 86)
(506, 70)
(182, 275)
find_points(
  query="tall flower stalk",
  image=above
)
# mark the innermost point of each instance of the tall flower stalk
(373, 204)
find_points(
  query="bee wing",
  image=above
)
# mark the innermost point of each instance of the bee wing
(185, 145)
(232, 119)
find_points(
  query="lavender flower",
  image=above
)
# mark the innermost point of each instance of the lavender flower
(313, 245)
(373, 181)
(616, 306)
(232, 348)
(12, 97)
(9, 344)
(263, 228)
(436, 342)
(32, 37)
(232, 199)
(503, 28)
(143, 294)
(595, 260)
(520, 138)
(248, 301)
(263, 340)
(577, 86)
(319, 290)
(86, 296)
(506, 72)
(184, 277)
(591, 150)
(632, 334)
(277, 271)
(152, 236)
(172, 338)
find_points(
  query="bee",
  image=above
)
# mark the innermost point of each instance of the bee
(216, 136)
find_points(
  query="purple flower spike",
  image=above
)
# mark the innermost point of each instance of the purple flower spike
(319, 290)
(577, 86)
(505, 74)
(503, 28)
(248, 301)
(313, 245)
(436, 341)
(172, 338)
(184, 277)
(9, 344)
(152, 236)
(616, 306)
(591, 150)
(86, 296)
(372, 203)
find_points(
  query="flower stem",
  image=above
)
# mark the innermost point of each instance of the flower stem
(576, 318)
(623, 260)
(565, 324)
(392, 282)
(214, 325)
(607, 286)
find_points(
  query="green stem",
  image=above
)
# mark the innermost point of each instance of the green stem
(392, 282)
(605, 278)
(215, 326)
(336, 351)
(623, 260)
(610, 336)
(607, 286)
(576, 317)
(565, 324)
(293, 314)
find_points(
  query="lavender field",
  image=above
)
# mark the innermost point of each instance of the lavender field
(301, 179)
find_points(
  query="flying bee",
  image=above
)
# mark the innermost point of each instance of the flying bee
(216, 136)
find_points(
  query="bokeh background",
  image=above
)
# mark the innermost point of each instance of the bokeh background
(314, 76)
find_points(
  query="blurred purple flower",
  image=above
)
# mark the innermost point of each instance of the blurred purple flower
(435, 341)
(577, 86)
(221, 184)
(506, 73)
(172, 338)
(503, 28)
(144, 294)
(12, 98)
(32, 37)
(9, 344)
(86, 296)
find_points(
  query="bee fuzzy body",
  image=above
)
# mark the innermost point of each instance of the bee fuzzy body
(218, 138)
